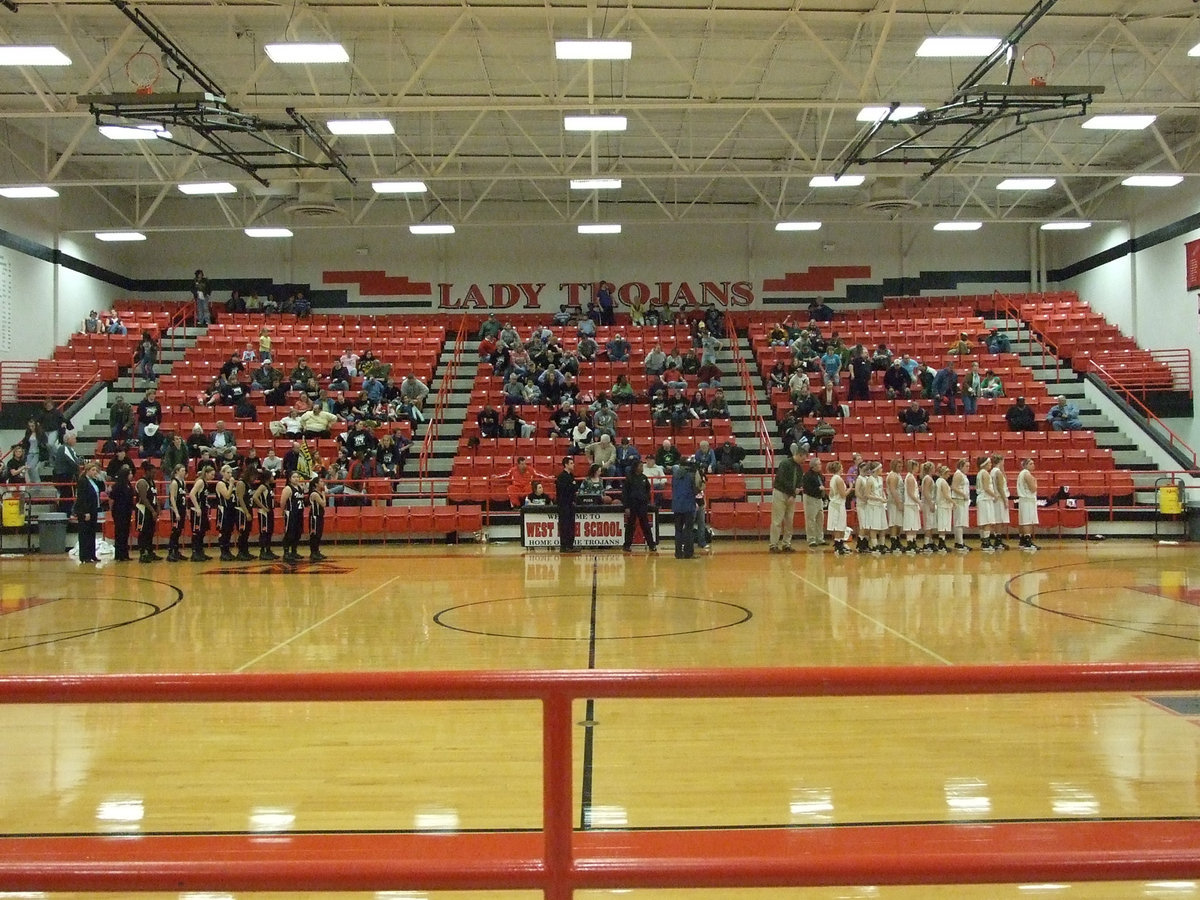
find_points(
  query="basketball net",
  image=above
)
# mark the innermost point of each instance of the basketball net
(143, 70)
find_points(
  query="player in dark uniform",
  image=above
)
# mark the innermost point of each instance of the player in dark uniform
(226, 513)
(146, 513)
(292, 502)
(177, 503)
(262, 500)
(318, 499)
(245, 520)
(198, 507)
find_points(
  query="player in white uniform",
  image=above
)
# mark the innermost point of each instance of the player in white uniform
(928, 504)
(912, 506)
(985, 497)
(862, 504)
(835, 516)
(943, 503)
(1027, 505)
(895, 505)
(960, 490)
(1002, 515)
(877, 504)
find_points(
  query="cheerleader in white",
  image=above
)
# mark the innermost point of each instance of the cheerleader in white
(912, 506)
(895, 504)
(1027, 505)
(1001, 516)
(943, 504)
(985, 502)
(960, 490)
(928, 504)
(835, 516)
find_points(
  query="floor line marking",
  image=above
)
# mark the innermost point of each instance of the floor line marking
(299, 634)
(873, 620)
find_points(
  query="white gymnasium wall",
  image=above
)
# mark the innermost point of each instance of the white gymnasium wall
(680, 254)
(47, 303)
(1144, 293)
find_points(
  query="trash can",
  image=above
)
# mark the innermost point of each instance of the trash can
(52, 532)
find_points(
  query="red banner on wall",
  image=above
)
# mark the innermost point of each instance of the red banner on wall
(1192, 255)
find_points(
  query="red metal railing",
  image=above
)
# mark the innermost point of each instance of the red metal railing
(64, 383)
(433, 426)
(557, 860)
(1130, 395)
(761, 432)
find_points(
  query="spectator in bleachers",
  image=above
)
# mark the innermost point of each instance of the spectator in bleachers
(537, 496)
(197, 441)
(487, 350)
(823, 434)
(709, 375)
(1020, 416)
(202, 298)
(718, 407)
(827, 402)
(831, 365)
(564, 316)
(972, 390)
(622, 390)
(176, 453)
(580, 435)
(618, 348)
(587, 327)
(317, 422)
(514, 390)
(264, 344)
(249, 356)
(673, 380)
(301, 374)
(149, 411)
(997, 342)
(509, 337)
(120, 420)
(489, 327)
(235, 303)
(266, 377)
(627, 456)
(820, 311)
(945, 389)
(705, 458)
(897, 382)
(16, 467)
(604, 421)
(667, 455)
(562, 420)
(360, 439)
(991, 386)
(604, 300)
(798, 385)
(221, 438)
(925, 375)
(730, 457)
(513, 426)
(114, 325)
(152, 444)
(961, 347)
(488, 421)
(777, 378)
(603, 453)
(592, 490)
(881, 359)
(709, 345)
(520, 480)
(656, 360)
(914, 418)
(910, 365)
(1064, 416)
(390, 457)
(349, 361)
(698, 406)
(860, 375)
(120, 459)
(551, 382)
(637, 310)
(91, 325)
(587, 348)
(289, 425)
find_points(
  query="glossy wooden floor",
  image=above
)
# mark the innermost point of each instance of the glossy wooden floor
(240, 768)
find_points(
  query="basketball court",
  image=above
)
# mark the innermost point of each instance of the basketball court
(747, 764)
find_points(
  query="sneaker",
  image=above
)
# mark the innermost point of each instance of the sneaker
(244, 556)
(786, 548)
(267, 554)
(200, 557)
(226, 556)
(774, 549)
(317, 556)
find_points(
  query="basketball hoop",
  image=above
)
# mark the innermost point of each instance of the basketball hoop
(1038, 62)
(143, 71)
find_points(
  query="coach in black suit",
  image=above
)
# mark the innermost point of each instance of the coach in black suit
(87, 510)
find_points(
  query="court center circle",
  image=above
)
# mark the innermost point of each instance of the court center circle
(567, 617)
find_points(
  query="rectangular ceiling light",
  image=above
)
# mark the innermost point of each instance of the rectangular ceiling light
(266, 231)
(1066, 226)
(13, 55)
(134, 133)
(117, 236)
(399, 187)
(599, 228)
(28, 192)
(882, 113)
(1152, 180)
(836, 180)
(595, 123)
(1119, 123)
(957, 226)
(1026, 184)
(431, 229)
(360, 126)
(593, 49)
(290, 53)
(797, 226)
(208, 187)
(595, 184)
(958, 46)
